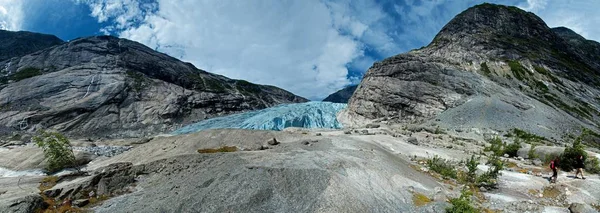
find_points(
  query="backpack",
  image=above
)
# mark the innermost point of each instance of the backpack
(551, 164)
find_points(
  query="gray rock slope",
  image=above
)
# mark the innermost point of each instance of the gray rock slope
(341, 96)
(15, 44)
(302, 174)
(110, 87)
(501, 54)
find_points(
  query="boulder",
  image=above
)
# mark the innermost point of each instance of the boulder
(581, 208)
(80, 202)
(373, 126)
(413, 140)
(272, 142)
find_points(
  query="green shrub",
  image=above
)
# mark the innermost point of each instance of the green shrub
(26, 73)
(526, 136)
(531, 154)
(512, 149)
(57, 150)
(438, 131)
(472, 169)
(592, 165)
(489, 178)
(517, 69)
(496, 147)
(485, 69)
(442, 167)
(462, 204)
(568, 159)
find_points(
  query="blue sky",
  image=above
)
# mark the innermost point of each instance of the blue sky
(309, 47)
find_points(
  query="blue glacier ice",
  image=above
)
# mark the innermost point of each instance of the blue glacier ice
(307, 115)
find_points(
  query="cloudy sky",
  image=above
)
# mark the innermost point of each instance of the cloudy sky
(309, 47)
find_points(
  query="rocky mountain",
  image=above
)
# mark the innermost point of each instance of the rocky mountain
(15, 44)
(109, 87)
(341, 96)
(492, 66)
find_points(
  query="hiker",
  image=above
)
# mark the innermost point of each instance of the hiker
(579, 166)
(554, 166)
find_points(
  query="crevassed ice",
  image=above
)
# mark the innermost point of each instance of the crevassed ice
(306, 115)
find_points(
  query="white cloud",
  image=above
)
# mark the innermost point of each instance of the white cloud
(302, 46)
(11, 15)
(579, 16)
(296, 45)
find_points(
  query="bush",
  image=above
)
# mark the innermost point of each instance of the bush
(592, 165)
(442, 167)
(26, 73)
(568, 159)
(57, 150)
(531, 154)
(496, 147)
(472, 169)
(462, 204)
(488, 179)
(512, 149)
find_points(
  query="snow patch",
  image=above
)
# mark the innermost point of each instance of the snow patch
(306, 115)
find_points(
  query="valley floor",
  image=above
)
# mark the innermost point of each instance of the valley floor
(361, 170)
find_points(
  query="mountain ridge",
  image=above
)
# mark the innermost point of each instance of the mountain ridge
(105, 86)
(488, 51)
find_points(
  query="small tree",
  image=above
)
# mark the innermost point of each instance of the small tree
(568, 159)
(57, 150)
(531, 154)
(472, 169)
(512, 149)
(462, 204)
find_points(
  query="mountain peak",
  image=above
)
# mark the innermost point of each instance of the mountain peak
(485, 21)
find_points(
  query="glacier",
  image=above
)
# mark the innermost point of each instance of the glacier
(307, 115)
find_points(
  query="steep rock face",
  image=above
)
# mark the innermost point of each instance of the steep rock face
(109, 87)
(341, 96)
(15, 44)
(488, 52)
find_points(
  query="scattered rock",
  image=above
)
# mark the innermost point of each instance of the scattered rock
(537, 162)
(26, 204)
(272, 142)
(506, 155)
(81, 202)
(52, 192)
(319, 134)
(530, 172)
(143, 140)
(482, 189)
(364, 132)
(520, 158)
(373, 126)
(347, 132)
(580, 208)
(413, 140)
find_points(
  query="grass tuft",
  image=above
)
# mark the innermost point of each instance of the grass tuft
(420, 199)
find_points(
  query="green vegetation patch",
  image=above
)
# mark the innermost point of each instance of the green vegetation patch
(462, 204)
(247, 88)
(139, 80)
(420, 199)
(485, 69)
(525, 136)
(26, 73)
(442, 167)
(517, 69)
(217, 150)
